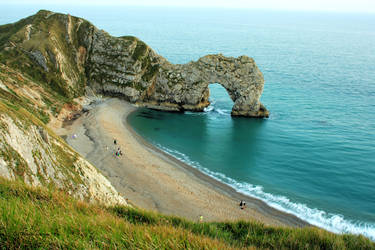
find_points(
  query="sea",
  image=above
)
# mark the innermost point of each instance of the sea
(315, 155)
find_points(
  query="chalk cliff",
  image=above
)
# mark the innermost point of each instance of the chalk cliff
(71, 53)
(32, 153)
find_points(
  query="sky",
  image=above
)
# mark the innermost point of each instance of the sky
(306, 5)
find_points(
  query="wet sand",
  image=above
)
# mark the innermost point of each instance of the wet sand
(152, 179)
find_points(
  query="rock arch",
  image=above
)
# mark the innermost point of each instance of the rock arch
(127, 67)
(185, 87)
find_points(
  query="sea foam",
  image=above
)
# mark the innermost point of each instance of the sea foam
(332, 222)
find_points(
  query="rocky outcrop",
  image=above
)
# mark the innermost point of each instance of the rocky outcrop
(39, 59)
(127, 67)
(30, 152)
(38, 78)
(186, 86)
(48, 59)
(72, 54)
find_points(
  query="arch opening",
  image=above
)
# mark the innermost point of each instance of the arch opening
(219, 99)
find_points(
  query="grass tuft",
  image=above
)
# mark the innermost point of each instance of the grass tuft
(48, 218)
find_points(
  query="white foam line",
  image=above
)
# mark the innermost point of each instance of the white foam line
(209, 108)
(222, 111)
(332, 222)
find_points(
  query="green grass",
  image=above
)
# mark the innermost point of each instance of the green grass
(8, 30)
(139, 51)
(15, 102)
(40, 218)
(52, 98)
(47, 218)
(50, 36)
(61, 154)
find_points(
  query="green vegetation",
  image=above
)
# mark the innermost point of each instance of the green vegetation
(49, 218)
(140, 50)
(150, 70)
(75, 224)
(7, 30)
(46, 39)
(15, 161)
(129, 38)
(67, 160)
(18, 114)
(40, 218)
(54, 154)
(46, 100)
(15, 102)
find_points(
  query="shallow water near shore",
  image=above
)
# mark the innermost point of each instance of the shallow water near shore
(314, 157)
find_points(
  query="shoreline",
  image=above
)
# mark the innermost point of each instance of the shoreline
(153, 179)
(263, 207)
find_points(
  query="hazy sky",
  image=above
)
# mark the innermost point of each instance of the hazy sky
(310, 5)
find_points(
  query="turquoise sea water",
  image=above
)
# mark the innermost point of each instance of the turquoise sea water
(315, 156)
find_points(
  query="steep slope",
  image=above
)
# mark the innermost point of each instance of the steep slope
(71, 53)
(46, 61)
(31, 152)
(78, 225)
(41, 47)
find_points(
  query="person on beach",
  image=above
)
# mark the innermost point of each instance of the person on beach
(114, 141)
(118, 152)
(242, 204)
(201, 218)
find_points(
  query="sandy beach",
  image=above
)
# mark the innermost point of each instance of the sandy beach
(153, 180)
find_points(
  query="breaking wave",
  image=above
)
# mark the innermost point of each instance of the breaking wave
(332, 222)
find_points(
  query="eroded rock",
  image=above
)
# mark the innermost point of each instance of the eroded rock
(129, 68)
(78, 54)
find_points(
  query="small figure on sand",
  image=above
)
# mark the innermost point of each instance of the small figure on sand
(118, 152)
(242, 204)
(201, 218)
(114, 141)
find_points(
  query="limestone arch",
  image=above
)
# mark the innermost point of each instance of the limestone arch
(219, 88)
(240, 77)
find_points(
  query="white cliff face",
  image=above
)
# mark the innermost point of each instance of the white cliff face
(30, 153)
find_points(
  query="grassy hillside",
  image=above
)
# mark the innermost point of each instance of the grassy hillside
(33, 153)
(42, 218)
(18, 90)
(44, 47)
(41, 71)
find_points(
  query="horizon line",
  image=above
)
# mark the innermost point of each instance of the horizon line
(246, 8)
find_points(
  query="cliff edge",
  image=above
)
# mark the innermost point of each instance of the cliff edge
(70, 53)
